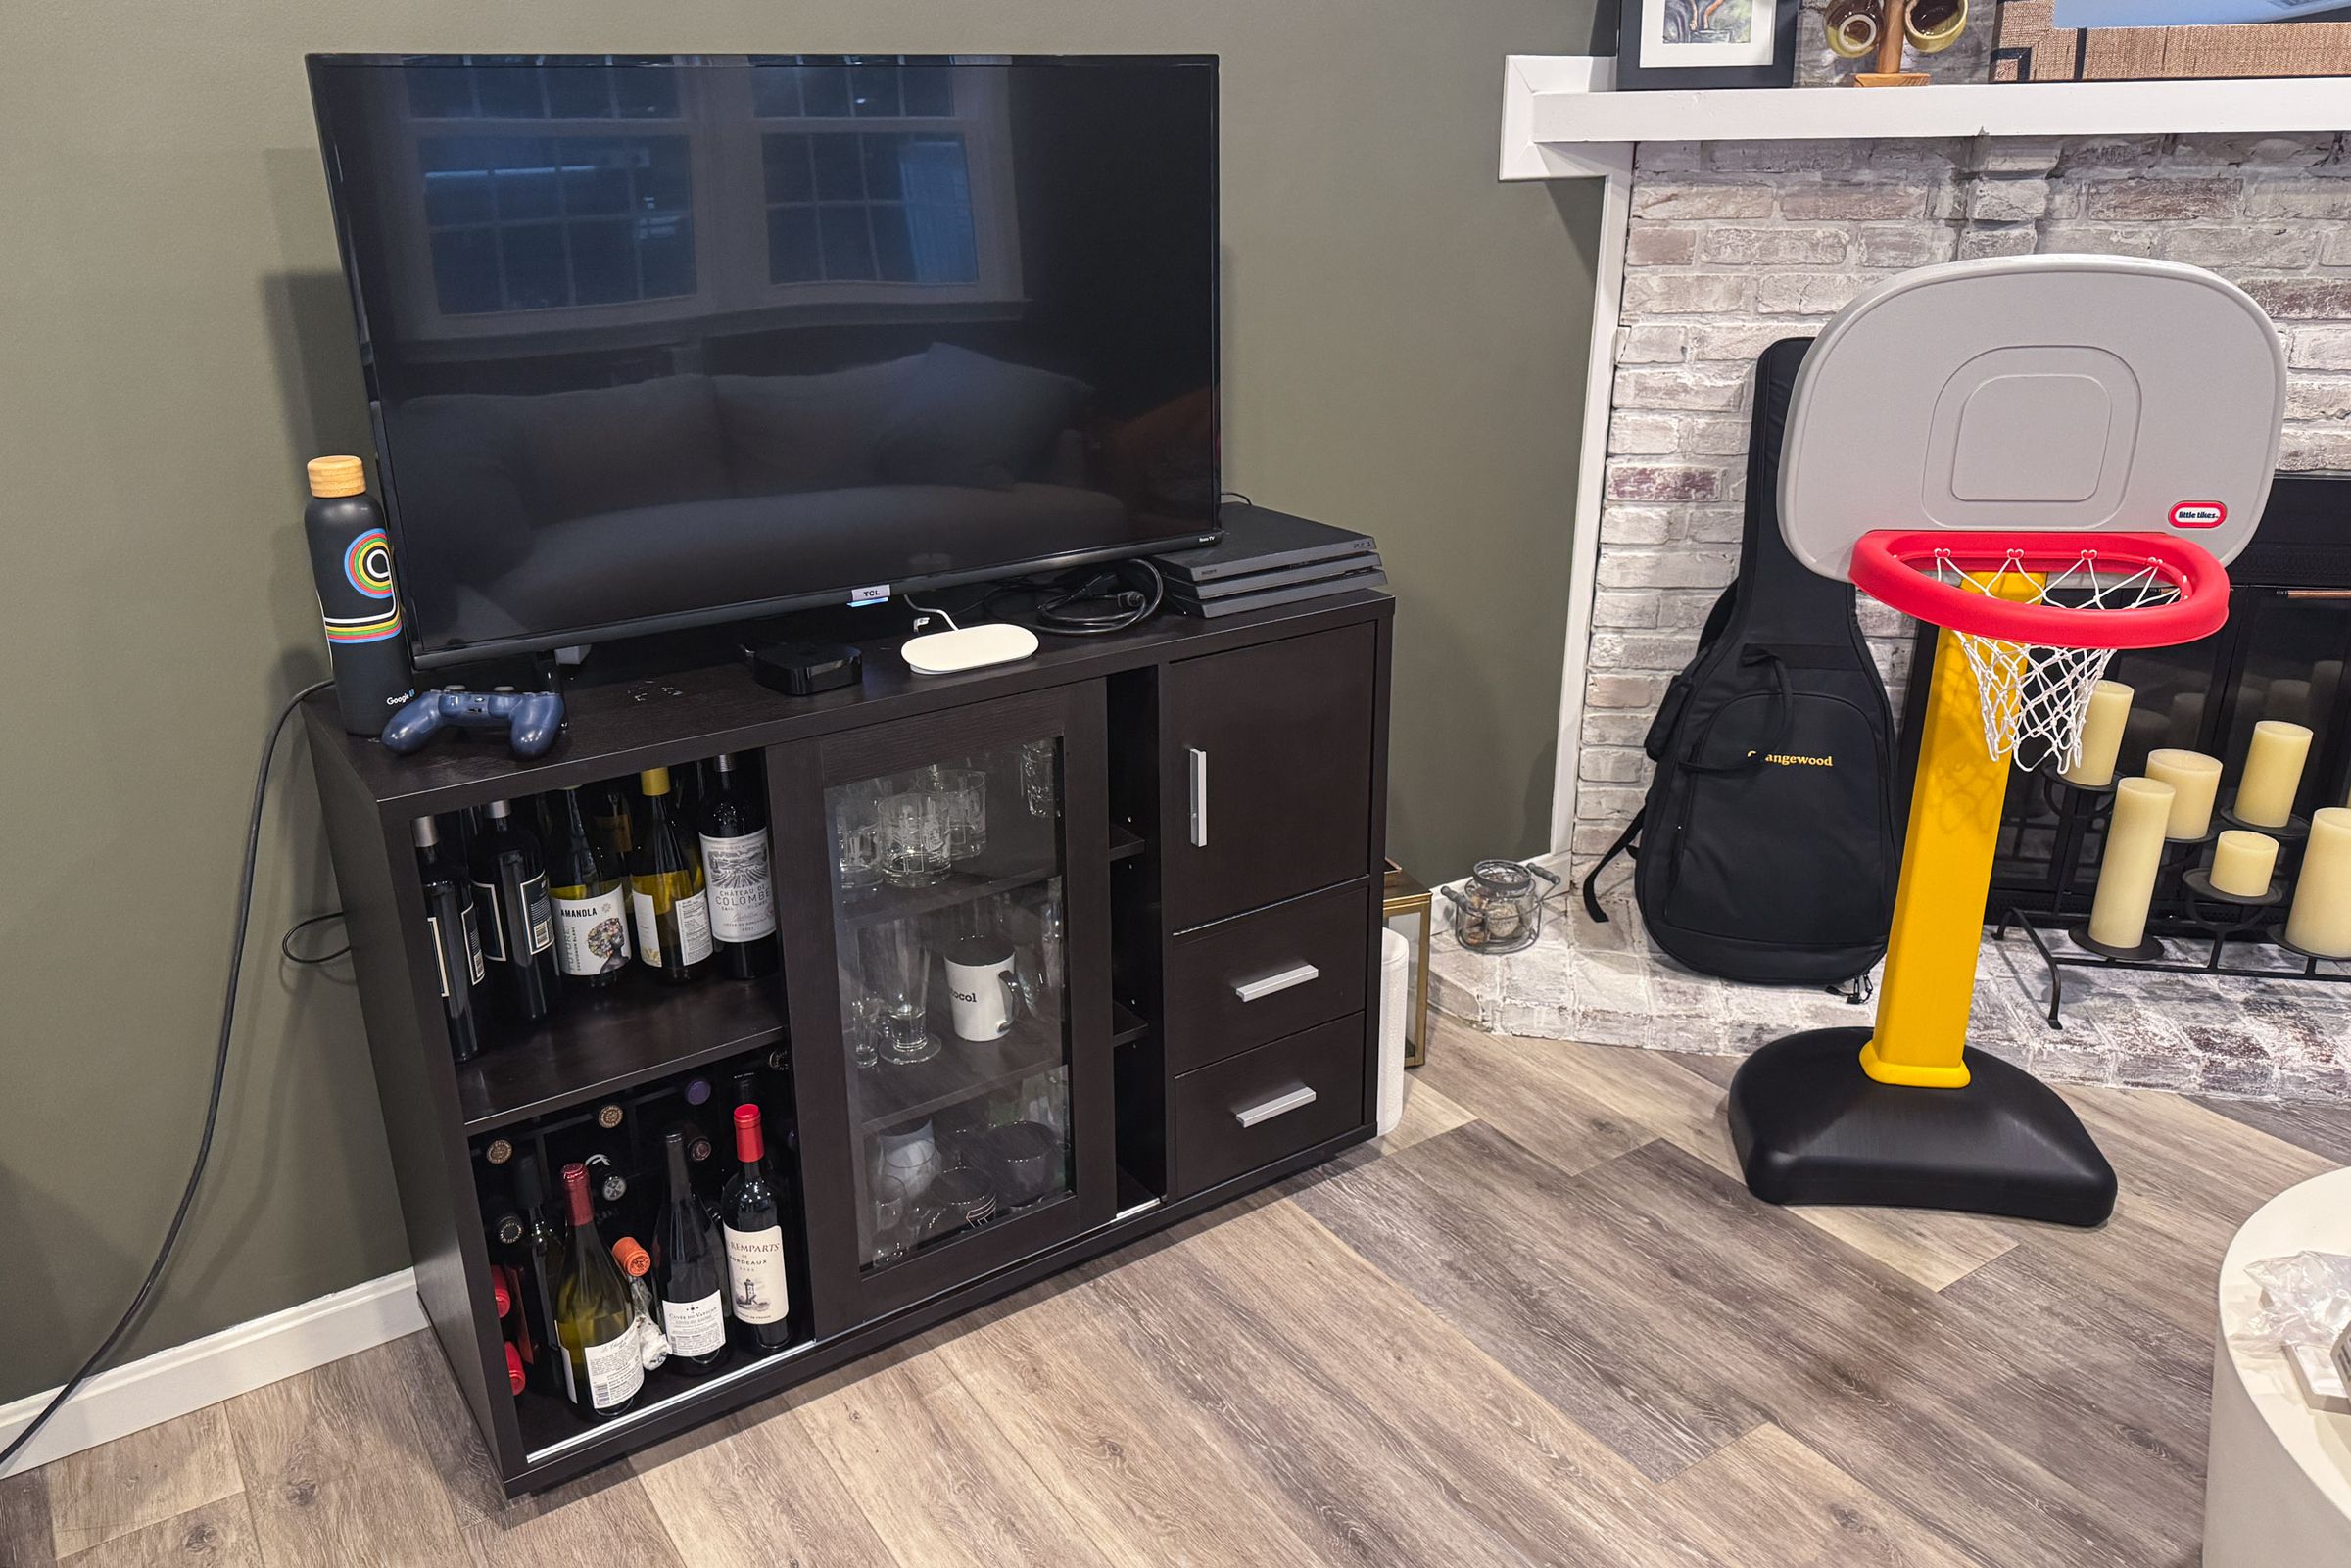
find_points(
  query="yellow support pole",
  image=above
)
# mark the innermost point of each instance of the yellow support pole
(1930, 985)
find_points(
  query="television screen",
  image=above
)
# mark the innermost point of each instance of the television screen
(657, 342)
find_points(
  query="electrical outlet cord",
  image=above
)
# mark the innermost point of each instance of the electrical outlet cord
(211, 1105)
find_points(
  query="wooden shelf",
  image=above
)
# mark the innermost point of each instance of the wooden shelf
(1125, 1026)
(1560, 109)
(888, 1096)
(596, 1046)
(1126, 842)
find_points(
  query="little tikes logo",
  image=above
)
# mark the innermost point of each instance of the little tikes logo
(1790, 759)
(2199, 514)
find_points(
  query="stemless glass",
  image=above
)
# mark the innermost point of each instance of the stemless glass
(1038, 786)
(897, 967)
(963, 795)
(914, 838)
(857, 833)
(893, 1231)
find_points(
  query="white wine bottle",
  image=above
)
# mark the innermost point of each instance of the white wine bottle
(665, 889)
(594, 1316)
(591, 897)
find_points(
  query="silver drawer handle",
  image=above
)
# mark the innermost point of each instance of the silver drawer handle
(1250, 990)
(1199, 791)
(1282, 1105)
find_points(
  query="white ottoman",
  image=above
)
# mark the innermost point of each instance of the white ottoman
(2277, 1477)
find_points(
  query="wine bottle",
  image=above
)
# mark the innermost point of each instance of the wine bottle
(448, 910)
(611, 808)
(595, 1319)
(741, 882)
(752, 1218)
(591, 897)
(690, 1270)
(516, 1381)
(541, 1265)
(605, 1179)
(665, 889)
(518, 931)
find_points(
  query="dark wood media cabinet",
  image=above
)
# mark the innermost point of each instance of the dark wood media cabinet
(1213, 847)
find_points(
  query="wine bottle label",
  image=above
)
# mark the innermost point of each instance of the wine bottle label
(591, 934)
(694, 1328)
(494, 937)
(756, 1274)
(474, 945)
(538, 914)
(741, 891)
(649, 927)
(693, 926)
(615, 1370)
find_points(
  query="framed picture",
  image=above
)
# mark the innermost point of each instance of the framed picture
(1705, 43)
(2169, 40)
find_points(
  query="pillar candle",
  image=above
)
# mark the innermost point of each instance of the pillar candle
(2188, 719)
(2101, 736)
(2142, 808)
(2286, 699)
(2265, 796)
(2241, 863)
(2194, 778)
(2320, 919)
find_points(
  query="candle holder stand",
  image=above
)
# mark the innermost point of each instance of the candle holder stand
(2190, 912)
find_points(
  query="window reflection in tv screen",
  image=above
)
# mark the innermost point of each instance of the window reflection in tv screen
(657, 341)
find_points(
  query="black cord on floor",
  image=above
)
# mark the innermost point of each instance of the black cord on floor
(285, 943)
(211, 1105)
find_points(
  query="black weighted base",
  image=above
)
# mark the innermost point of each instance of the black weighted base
(1811, 1127)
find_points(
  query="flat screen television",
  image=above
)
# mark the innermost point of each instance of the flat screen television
(657, 342)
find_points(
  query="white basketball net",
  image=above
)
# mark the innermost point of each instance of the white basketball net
(2036, 696)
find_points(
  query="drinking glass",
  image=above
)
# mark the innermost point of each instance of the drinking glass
(963, 796)
(857, 833)
(1038, 786)
(893, 1232)
(914, 838)
(863, 1027)
(898, 971)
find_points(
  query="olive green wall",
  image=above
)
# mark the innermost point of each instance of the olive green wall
(1405, 354)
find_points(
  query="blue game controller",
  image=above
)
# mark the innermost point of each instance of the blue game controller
(530, 719)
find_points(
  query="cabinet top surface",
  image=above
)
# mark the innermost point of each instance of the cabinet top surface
(623, 727)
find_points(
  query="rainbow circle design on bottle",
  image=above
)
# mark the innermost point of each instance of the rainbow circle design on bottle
(367, 566)
(362, 628)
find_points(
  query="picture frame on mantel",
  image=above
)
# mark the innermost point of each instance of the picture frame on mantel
(1704, 43)
(2169, 40)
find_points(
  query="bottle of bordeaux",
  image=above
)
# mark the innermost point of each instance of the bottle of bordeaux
(752, 1222)
(735, 862)
(518, 931)
(690, 1270)
(449, 910)
(665, 889)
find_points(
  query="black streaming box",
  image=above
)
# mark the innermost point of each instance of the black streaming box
(1258, 539)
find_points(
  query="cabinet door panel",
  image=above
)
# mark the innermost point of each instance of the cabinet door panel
(949, 989)
(1267, 773)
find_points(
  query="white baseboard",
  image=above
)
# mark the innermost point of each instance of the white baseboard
(188, 1377)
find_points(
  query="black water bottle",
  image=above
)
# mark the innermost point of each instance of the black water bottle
(351, 561)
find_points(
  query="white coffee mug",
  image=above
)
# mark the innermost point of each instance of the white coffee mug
(980, 986)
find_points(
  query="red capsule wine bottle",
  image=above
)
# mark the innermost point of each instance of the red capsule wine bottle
(750, 1216)
(451, 914)
(596, 1319)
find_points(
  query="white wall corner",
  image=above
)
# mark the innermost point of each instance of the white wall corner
(186, 1378)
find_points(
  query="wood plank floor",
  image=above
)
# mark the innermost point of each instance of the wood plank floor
(1543, 1323)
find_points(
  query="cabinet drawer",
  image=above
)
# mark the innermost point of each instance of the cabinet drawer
(1258, 978)
(1256, 1108)
(1267, 769)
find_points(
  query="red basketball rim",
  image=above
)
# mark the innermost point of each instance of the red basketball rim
(1897, 567)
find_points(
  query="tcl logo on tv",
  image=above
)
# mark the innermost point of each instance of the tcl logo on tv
(2199, 514)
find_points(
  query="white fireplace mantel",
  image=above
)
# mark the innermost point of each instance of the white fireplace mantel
(1562, 116)
(1563, 120)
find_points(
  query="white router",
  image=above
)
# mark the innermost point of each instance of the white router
(966, 647)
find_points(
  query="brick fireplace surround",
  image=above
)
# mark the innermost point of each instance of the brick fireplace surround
(1734, 245)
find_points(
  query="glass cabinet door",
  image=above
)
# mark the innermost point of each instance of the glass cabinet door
(965, 1029)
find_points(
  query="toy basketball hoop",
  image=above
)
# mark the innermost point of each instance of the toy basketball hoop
(2039, 616)
(2051, 457)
